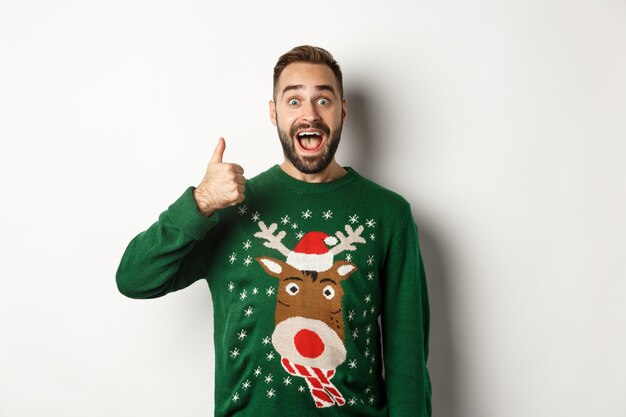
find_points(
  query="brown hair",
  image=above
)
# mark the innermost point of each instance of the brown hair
(312, 55)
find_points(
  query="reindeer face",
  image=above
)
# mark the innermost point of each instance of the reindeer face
(309, 315)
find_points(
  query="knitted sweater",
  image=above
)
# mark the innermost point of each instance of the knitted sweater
(310, 283)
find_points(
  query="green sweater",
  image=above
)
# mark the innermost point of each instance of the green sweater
(310, 283)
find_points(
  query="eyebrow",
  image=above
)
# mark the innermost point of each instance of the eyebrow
(323, 87)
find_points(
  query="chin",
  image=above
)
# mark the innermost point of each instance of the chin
(306, 161)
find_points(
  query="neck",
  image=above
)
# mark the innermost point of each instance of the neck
(330, 173)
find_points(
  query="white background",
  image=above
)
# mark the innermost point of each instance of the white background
(502, 122)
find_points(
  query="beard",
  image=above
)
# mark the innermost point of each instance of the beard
(310, 164)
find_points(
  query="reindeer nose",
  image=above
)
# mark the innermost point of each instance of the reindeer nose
(308, 343)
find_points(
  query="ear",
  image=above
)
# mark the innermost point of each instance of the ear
(344, 109)
(273, 267)
(273, 112)
(343, 269)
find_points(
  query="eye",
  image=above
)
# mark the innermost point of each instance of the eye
(293, 102)
(329, 292)
(292, 288)
(323, 101)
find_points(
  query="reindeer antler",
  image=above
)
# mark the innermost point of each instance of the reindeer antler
(346, 243)
(273, 242)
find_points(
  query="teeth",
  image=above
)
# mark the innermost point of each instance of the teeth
(309, 134)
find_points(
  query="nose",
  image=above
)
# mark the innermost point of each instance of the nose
(310, 113)
(308, 343)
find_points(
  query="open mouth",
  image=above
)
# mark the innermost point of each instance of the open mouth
(310, 140)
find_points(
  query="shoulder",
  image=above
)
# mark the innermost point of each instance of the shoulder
(263, 180)
(382, 197)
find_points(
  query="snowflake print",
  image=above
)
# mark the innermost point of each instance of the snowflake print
(370, 276)
(285, 220)
(352, 363)
(370, 259)
(364, 313)
(355, 333)
(243, 295)
(306, 214)
(373, 359)
(368, 389)
(266, 340)
(247, 261)
(271, 393)
(234, 353)
(372, 237)
(327, 215)
(367, 341)
(301, 388)
(367, 352)
(351, 315)
(256, 216)
(371, 400)
(269, 291)
(287, 381)
(372, 309)
(369, 328)
(299, 235)
(231, 286)
(255, 290)
(368, 298)
(242, 334)
(352, 401)
(353, 219)
(247, 244)
(268, 378)
(294, 226)
(270, 356)
(246, 384)
(370, 223)
(243, 210)
(248, 311)
(235, 397)
(257, 371)
(232, 258)
(348, 257)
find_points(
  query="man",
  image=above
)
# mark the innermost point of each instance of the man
(301, 261)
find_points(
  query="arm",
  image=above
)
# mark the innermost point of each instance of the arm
(405, 326)
(172, 253)
(164, 257)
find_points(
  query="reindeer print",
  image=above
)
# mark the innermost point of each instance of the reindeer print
(313, 298)
(309, 333)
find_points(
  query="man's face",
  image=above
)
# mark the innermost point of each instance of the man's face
(308, 113)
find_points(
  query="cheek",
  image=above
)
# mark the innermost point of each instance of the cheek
(333, 118)
(284, 121)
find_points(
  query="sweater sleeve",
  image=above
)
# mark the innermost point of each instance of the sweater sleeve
(165, 257)
(405, 326)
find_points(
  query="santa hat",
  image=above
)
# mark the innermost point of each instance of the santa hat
(311, 253)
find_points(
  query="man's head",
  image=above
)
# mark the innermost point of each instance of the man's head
(308, 107)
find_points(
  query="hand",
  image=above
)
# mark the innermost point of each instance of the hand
(223, 184)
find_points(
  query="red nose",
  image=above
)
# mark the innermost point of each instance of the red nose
(308, 343)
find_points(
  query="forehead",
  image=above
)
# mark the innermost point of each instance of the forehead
(308, 75)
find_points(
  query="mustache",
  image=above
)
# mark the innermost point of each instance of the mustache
(317, 125)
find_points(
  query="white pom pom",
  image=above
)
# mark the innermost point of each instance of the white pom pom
(330, 240)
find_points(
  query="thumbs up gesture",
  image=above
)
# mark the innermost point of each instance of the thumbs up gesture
(223, 184)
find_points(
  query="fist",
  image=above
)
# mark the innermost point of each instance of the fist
(223, 184)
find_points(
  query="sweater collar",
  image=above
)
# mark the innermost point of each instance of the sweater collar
(312, 187)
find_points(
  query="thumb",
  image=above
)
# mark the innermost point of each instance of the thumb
(218, 153)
